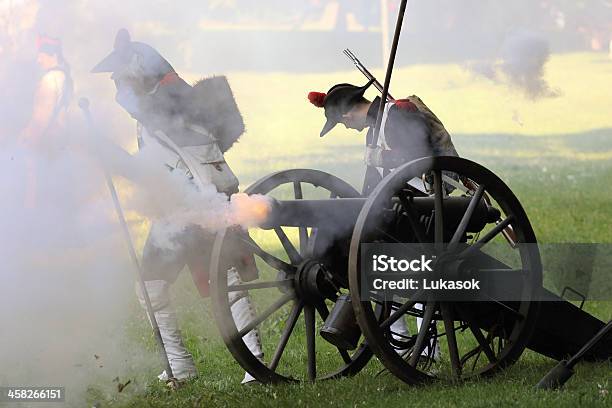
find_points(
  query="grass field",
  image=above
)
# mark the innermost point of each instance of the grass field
(555, 154)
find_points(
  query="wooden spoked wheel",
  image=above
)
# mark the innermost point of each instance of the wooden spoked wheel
(472, 338)
(299, 271)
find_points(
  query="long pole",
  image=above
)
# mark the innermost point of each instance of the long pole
(84, 105)
(384, 29)
(385, 91)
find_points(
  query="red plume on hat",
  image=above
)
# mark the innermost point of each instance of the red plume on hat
(317, 99)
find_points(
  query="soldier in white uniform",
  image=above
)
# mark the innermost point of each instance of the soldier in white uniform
(45, 131)
(194, 139)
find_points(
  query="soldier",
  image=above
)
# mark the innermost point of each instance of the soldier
(162, 103)
(44, 131)
(53, 94)
(409, 130)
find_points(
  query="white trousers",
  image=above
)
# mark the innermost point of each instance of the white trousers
(181, 361)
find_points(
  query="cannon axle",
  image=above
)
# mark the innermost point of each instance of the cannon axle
(314, 282)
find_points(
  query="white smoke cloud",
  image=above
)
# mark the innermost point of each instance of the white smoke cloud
(66, 295)
(174, 202)
(67, 279)
(520, 65)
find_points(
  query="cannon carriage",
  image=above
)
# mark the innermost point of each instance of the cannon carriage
(460, 212)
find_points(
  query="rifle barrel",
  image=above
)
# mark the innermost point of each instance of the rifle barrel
(366, 72)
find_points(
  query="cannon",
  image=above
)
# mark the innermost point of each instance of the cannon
(319, 318)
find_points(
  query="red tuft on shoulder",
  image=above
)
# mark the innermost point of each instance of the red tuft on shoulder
(169, 78)
(317, 99)
(405, 104)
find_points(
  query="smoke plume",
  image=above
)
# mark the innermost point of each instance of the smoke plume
(172, 200)
(66, 298)
(520, 65)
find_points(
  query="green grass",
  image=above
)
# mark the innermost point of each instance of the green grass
(514, 387)
(557, 160)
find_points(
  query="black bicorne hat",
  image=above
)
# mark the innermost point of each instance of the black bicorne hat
(151, 63)
(338, 101)
(119, 57)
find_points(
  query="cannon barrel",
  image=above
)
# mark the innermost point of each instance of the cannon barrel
(342, 213)
(314, 213)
